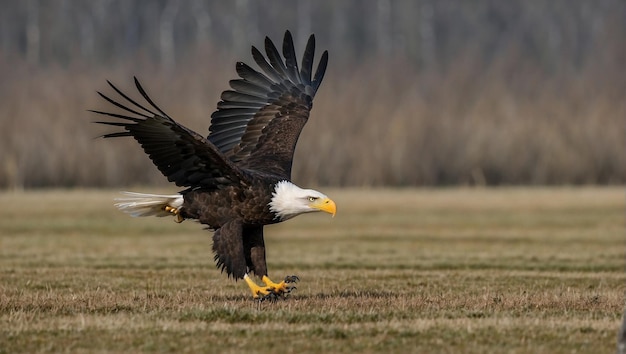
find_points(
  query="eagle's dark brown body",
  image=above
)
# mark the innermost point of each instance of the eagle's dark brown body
(214, 208)
(231, 175)
(237, 214)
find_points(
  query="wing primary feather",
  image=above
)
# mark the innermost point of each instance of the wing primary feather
(116, 135)
(117, 104)
(289, 52)
(247, 87)
(253, 76)
(321, 69)
(235, 96)
(275, 60)
(119, 92)
(231, 114)
(147, 98)
(307, 61)
(230, 104)
(229, 125)
(265, 66)
(234, 112)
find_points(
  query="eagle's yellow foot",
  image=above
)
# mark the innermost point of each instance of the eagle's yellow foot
(176, 213)
(271, 291)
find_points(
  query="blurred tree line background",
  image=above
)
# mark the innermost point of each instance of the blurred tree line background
(426, 92)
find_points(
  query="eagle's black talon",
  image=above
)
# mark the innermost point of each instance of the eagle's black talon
(272, 297)
(292, 279)
(262, 298)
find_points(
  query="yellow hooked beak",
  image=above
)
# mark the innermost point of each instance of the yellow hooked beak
(324, 204)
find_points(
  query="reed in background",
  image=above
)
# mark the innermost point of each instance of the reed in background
(457, 94)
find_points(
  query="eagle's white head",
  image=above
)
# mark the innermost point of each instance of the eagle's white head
(289, 200)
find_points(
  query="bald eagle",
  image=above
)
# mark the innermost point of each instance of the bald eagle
(238, 178)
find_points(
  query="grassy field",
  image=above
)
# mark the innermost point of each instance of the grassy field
(510, 270)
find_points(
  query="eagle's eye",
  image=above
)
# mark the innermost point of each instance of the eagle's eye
(312, 199)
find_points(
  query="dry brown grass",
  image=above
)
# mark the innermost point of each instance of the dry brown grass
(416, 93)
(449, 270)
(373, 124)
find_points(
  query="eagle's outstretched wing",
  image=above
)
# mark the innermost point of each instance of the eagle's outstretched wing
(258, 122)
(183, 156)
(256, 125)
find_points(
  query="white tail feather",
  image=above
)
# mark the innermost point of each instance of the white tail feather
(141, 204)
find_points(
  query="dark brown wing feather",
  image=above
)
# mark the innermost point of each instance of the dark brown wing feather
(239, 249)
(183, 156)
(228, 249)
(258, 122)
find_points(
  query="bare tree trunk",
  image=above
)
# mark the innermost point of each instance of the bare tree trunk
(427, 34)
(339, 27)
(166, 34)
(32, 33)
(203, 22)
(242, 30)
(304, 20)
(87, 41)
(384, 39)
